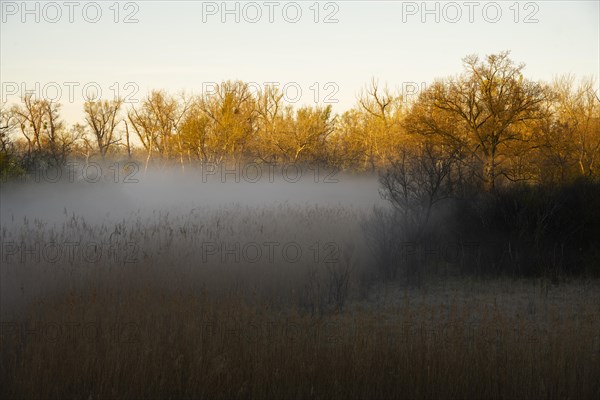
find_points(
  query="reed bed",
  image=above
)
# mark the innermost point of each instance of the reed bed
(158, 315)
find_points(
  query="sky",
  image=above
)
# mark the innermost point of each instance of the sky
(323, 52)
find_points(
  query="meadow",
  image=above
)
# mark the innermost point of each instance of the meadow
(176, 290)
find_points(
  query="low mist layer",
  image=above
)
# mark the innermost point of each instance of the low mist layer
(173, 191)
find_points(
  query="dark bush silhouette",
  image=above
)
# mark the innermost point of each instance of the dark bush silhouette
(518, 230)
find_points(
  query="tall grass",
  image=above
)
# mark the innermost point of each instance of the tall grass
(171, 322)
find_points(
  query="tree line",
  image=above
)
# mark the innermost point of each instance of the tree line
(488, 124)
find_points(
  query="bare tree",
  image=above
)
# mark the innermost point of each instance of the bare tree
(195, 133)
(30, 116)
(59, 140)
(40, 124)
(381, 112)
(156, 123)
(231, 110)
(578, 115)
(8, 122)
(102, 117)
(270, 121)
(304, 134)
(482, 112)
(417, 180)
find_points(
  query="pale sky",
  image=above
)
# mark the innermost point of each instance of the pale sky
(179, 45)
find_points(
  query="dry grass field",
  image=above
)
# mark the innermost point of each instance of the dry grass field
(154, 310)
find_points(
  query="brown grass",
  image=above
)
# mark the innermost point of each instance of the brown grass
(151, 343)
(169, 326)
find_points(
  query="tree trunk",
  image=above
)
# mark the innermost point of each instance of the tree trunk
(489, 174)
